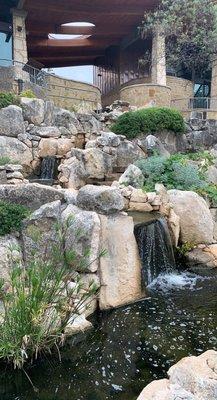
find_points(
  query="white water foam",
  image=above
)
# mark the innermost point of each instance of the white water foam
(175, 280)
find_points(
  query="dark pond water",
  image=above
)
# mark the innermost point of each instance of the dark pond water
(128, 347)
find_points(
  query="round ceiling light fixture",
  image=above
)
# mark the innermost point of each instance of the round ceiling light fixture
(78, 24)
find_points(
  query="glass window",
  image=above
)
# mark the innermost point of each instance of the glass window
(5, 50)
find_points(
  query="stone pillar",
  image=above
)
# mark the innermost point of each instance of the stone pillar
(158, 67)
(19, 36)
(214, 80)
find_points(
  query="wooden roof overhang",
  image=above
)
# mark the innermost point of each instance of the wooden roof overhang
(113, 20)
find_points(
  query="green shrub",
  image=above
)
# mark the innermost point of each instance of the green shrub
(177, 172)
(7, 99)
(11, 217)
(28, 93)
(149, 120)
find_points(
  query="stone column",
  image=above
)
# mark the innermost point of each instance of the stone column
(158, 67)
(214, 80)
(19, 36)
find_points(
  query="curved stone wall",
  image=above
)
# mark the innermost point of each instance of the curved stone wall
(146, 94)
(72, 94)
(182, 90)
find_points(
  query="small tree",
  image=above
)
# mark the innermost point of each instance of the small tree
(190, 29)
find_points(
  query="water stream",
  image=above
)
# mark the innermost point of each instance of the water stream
(155, 249)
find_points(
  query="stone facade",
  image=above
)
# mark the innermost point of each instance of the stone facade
(181, 90)
(19, 36)
(143, 95)
(214, 79)
(73, 95)
(158, 67)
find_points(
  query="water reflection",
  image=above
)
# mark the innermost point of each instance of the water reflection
(128, 347)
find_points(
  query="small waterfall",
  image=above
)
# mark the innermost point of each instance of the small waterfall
(48, 168)
(155, 249)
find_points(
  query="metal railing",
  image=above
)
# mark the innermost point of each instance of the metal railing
(51, 85)
(195, 103)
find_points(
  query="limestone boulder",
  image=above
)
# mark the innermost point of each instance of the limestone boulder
(212, 174)
(47, 132)
(108, 139)
(203, 259)
(64, 145)
(133, 176)
(196, 223)
(10, 255)
(72, 173)
(96, 163)
(49, 113)
(33, 110)
(32, 195)
(152, 144)
(11, 121)
(120, 268)
(82, 236)
(48, 147)
(102, 199)
(39, 233)
(192, 378)
(214, 217)
(16, 150)
(68, 120)
(128, 153)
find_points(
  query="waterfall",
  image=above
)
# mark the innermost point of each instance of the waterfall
(48, 167)
(155, 249)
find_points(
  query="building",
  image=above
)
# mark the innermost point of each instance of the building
(46, 34)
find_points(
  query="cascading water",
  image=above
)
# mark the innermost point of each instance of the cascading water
(48, 168)
(155, 249)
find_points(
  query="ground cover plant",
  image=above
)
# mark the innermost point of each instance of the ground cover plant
(149, 120)
(179, 171)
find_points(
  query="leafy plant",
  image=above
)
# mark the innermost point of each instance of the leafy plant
(149, 120)
(28, 93)
(11, 217)
(7, 99)
(179, 171)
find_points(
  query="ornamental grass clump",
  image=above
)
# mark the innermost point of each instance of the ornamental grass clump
(39, 301)
(149, 120)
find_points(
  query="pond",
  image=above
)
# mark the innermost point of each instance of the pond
(128, 347)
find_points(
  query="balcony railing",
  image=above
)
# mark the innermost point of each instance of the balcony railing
(52, 85)
(195, 103)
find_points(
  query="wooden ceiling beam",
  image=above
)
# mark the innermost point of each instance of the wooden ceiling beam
(92, 10)
(70, 43)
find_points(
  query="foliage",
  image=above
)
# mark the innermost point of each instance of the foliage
(149, 120)
(4, 160)
(7, 99)
(40, 304)
(11, 217)
(179, 171)
(190, 28)
(28, 93)
(184, 248)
